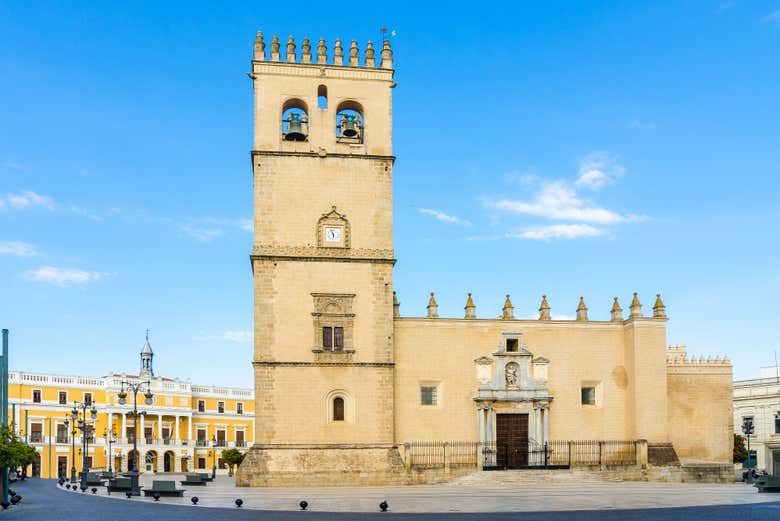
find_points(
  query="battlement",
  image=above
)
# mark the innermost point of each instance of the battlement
(305, 56)
(678, 355)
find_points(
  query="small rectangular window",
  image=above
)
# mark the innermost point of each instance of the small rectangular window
(220, 407)
(327, 337)
(239, 408)
(338, 338)
(201, 406)
(63, 397)
(511, 345)
(588, 396)
(777, 423)
(36, 396)
(428, 395)
(88, 398)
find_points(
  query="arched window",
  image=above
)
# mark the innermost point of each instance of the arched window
(350, 126)
(322, 97)
(338, 409)
(295, 120)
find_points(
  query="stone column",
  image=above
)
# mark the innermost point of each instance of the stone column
(176, 429)
(159, 427)
(546, 423)
(189, 426)
(124, 426)
(139, 428)
(491, 419)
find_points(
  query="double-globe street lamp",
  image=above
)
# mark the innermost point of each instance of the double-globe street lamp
(73, 432)
(110, 439)
(82, 423)
(135, 388)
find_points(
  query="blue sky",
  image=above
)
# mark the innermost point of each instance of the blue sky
(580, 148)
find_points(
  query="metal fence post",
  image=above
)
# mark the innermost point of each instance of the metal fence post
(446, 461)
(4, 407)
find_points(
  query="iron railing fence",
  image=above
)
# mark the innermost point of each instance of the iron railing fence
(530, 454)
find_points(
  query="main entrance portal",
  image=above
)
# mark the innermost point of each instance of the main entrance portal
(512, 440)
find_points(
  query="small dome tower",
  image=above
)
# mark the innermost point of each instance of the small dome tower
(146, 359)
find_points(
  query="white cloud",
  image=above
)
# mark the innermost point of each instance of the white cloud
(201, 234)
(18, 249)
(26, 199)
(557, 231)
(247, 225)
(443, 217)
(773, 18)
(598, 169)
(62, 277)
(556, 200)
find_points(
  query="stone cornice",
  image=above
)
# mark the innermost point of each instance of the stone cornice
(516, 321)
(314, 253)
(288, 153)
(321, 70)
(323, 364)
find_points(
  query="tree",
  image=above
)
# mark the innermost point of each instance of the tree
(740, 452)
(232, 457)
(13, 451)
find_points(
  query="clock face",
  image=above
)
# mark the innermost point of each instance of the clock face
(332, 234)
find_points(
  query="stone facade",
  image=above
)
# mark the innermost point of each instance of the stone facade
(343, 378)
(759, 399)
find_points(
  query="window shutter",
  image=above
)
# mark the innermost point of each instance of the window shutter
(338, 338)
(327, 337)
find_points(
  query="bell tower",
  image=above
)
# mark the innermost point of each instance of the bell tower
(322, 261)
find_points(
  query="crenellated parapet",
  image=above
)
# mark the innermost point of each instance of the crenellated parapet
(354, 58)
(545, 310)
(678, 355)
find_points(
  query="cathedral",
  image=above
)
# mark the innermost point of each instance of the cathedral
(345, 382)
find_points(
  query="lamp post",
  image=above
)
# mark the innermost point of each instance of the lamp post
(81, 422)
(111, 439)
(214, 457)
(73, 432)
(135, 388)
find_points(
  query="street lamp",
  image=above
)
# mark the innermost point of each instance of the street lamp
(135, 388)
(81, 422)
(111, 439)
(73, 449)
(214, 456)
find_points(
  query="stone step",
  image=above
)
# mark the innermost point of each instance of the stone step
(531, 477)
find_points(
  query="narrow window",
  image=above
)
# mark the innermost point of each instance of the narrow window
(88, 398)
(511, 345)
(428, 395)
(327, 338)
(322, 97)
(338, 409)
(239, 408)
(36, 396)
(220, 407)
(777, 423)
(63, 398)
(201, 406)
(588, 396)
(338, 338)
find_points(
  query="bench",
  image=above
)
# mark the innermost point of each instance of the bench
(93, 480)
(205, 476)
(164, 488)
(106, 475)
(120, 484)
(767, 483)
(195, 480)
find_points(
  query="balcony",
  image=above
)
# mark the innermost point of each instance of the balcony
(36, 437)
(150, 441)
(167, 441)
(240, 443)
(62, 439)
(201, 442)
(221, 443)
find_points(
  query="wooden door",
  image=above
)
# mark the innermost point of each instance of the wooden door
(512, 440)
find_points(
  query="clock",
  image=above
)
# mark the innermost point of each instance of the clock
(332, 234)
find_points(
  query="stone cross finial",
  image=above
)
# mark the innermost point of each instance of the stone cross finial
(471, 309)
(636, 307)
(433, 307)
(582, 310)
(617, 311)
(370, 61)
(509, 309)
(322, 50)
(290, 50)
(387, 55)
(659, 310)
(338, 53)
(259, 53)
(396, 306)
(354, 60)
(544, 309)
(306, 51)
(275, 48)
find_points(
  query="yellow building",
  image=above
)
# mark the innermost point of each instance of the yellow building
(343, 381)
(185, 428)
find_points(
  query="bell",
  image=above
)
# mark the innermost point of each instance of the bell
(295, 128)
(350, 127)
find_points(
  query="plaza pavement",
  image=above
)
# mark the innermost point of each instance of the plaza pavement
(509, 491)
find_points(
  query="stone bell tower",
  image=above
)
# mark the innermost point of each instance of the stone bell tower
(322, 261)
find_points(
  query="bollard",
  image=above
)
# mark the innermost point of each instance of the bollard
(303, 504)
(383, 506)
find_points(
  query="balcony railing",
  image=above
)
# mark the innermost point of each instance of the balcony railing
(221, 443)
(240, 443)
(167, 441)
(62, 439)
(36, 437)
(201, 443)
